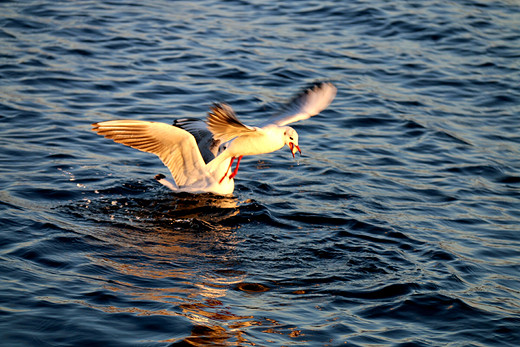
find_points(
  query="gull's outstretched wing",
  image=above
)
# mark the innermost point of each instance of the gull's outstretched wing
(208, 145)
(306, 104)
(224, 124)
(174, 146)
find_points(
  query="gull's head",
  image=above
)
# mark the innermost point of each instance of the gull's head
(291, 139)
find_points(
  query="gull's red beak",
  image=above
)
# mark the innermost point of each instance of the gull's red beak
(294, 148)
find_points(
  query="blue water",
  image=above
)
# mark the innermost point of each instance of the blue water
(400, 224)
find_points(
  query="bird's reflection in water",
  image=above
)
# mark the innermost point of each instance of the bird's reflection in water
(203, 210)
(177, 259)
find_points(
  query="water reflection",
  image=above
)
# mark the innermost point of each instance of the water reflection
(175, 257)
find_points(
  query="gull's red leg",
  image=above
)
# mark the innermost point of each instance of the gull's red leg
(230, 163)
(236, 168)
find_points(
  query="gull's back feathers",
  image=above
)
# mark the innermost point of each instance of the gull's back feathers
(208, 145)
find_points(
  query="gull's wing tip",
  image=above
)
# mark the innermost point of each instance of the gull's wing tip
(322, 86)
(309, 102)
(95, 126)
(221, 109)
(319, 88)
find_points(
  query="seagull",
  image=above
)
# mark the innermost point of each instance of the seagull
(200, 154)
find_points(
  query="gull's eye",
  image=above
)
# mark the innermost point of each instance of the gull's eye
(290, 138)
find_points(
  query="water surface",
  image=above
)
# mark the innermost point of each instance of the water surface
(398, 226)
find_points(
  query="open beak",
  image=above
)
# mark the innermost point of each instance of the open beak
(294, 148)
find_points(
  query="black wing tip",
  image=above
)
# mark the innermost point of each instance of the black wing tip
(179, 122)
(222, 112)
(220, 106)
(315, 86)
(159, 177)
(309, 89)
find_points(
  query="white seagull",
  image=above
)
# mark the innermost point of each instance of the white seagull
(200, 154)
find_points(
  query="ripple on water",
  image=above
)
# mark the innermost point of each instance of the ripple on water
(398, 225)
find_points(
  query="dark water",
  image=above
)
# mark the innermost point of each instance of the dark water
(399, 226)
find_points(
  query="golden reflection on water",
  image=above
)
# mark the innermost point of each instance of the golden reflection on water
(187, 272)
